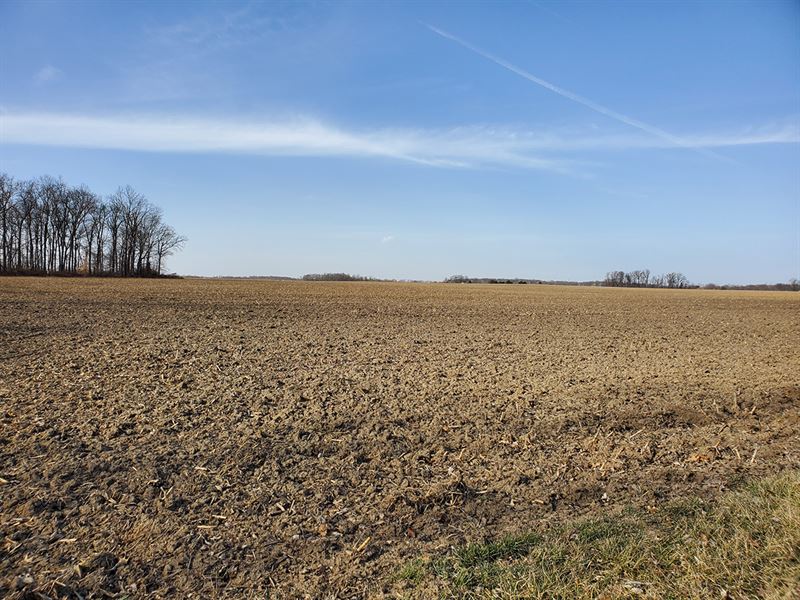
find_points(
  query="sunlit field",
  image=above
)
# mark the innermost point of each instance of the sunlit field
(230, 438)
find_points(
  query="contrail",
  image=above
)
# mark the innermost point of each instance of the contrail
(575, 97)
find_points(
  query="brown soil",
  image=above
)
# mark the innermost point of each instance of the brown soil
(193, 438)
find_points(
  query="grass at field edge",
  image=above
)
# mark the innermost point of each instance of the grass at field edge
(744, 544)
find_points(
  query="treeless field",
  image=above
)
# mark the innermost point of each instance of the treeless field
(198, 438)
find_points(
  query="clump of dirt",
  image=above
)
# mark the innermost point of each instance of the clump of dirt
(233, 438)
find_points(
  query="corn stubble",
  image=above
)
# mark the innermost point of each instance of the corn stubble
(246, 438)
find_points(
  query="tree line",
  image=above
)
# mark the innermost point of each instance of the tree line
(638, 278)
(338, 277)
(467, 279)
(793, 285)
(48, 227)
(643, 278)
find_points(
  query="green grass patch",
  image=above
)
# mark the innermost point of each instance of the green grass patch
(745, 544)
(412, 571)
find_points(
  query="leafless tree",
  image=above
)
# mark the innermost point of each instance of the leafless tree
(676, 280)
(167, 242)
(457, 279)
(7, 191)
(640, 278)
(643, 278)
(615, 279)
(47, 226)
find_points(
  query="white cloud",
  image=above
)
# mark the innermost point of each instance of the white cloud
(47, 74)
(456, 148)
(386, 239)
(460, 147)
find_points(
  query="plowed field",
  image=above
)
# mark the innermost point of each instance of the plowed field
(198, 438)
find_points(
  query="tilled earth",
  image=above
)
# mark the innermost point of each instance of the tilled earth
(199, 438)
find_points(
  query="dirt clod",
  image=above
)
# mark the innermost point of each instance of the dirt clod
(230, 438)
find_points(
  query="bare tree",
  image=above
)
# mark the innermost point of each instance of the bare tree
(640, 278)
(167, 242)
(676, 280)
(7, 191)
(643, 278)
(48, 227)
(457, 279)
(614, 279)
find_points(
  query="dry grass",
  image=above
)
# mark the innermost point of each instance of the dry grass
(746, 544)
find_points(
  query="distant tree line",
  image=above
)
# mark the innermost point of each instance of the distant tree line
(337, 277)
(643, 278)
(48, 227)
(466, 279)
(792, 286)
(639, 278)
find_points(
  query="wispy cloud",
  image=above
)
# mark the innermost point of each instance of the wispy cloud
(224, 29)
(641, 125)
(456, 148)
(460, 147)
(47, 74)
(543, 7)
(206, 52)
(386, 239)
(781, 132)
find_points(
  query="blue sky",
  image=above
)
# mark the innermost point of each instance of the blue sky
(554, 140)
